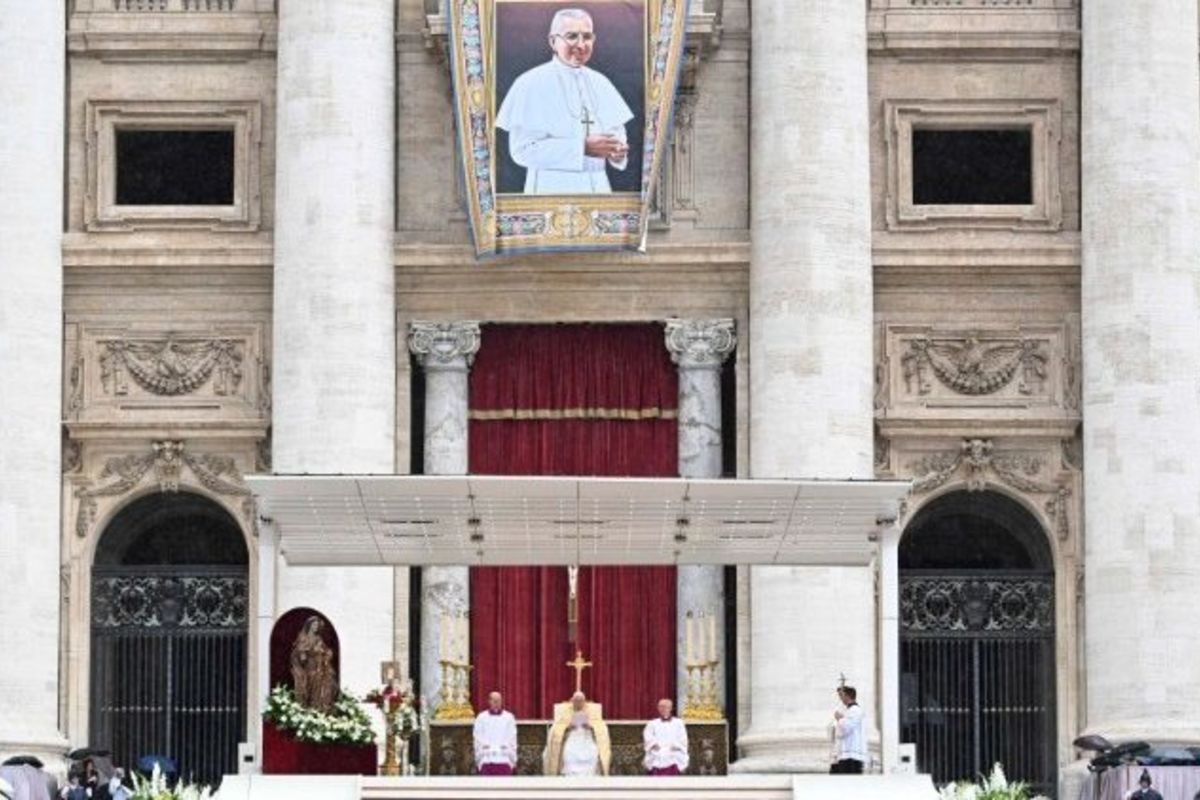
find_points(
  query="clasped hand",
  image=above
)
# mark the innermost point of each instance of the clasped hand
(605, 145)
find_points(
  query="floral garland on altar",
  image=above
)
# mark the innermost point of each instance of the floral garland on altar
(346, 723)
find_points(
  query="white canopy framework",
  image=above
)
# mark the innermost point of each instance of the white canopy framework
(413, 520)
(398, 520)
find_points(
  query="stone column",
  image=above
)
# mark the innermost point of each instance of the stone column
(32, 88)
(445, 350)
(334, 339)
(699, 347)
(810, 360)
(1141, 360)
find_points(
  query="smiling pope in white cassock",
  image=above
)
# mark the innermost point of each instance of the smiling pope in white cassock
(565, 121)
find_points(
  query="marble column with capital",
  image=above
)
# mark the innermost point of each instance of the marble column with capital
(445, 352)
(1140, 291)
(334, 307)
(699, 348)
(811, 362)
(32, 92)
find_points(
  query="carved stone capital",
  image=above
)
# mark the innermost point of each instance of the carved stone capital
(444, 345)
(700, 343)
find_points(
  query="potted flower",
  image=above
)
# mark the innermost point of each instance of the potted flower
(990, 787)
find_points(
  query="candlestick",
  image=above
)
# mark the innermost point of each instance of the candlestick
(691, 656)
(443, 636)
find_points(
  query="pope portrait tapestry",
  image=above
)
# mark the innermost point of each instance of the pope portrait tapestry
(563, 110)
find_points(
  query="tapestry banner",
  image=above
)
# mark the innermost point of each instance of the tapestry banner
(563, 110)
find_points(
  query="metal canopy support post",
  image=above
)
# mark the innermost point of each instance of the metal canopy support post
(889, 646)
(268, 554)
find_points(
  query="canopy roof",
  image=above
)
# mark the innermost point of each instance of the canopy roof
(490, 520)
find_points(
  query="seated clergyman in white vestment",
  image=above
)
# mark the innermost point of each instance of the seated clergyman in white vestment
(578, 743)
(565, 121)
(495, 738)
(665, 741)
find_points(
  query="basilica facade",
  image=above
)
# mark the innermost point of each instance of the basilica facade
(946, 241)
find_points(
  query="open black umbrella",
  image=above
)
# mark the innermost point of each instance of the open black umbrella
(80, 753)
(23, 761)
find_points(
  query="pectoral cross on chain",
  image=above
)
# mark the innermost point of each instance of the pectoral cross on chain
(585, 117)
(579, 665)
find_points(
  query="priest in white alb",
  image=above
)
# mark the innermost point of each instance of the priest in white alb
(495, 739)
(665, 740)
(565, 121)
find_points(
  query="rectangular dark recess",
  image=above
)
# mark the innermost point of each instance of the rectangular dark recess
(174, 167)
(972, 167)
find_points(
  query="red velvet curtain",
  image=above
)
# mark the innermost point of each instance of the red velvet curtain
(573, 400)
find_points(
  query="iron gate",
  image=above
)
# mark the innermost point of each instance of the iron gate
(977, 674)
(169, 665)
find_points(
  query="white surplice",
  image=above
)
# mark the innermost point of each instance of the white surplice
(495, 739)
(670, 736)
(548, 113)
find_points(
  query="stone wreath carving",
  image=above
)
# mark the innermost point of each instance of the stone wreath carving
(171, 367)
(977, 457)
(970, 367)
(218, 474)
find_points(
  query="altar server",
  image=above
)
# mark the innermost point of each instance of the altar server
(495, 739)
(665, 741)
(850, 742)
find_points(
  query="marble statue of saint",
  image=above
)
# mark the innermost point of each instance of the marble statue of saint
(311, 663)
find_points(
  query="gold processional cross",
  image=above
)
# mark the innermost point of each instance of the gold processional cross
(579, 665)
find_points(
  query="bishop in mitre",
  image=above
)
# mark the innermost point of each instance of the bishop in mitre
(566, 121)
(579, 743)
(665, 742)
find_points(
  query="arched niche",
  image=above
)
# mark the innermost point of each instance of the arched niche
(284, 633)
(975, 530)
(166, 528)
(977, 639)
(169, 615)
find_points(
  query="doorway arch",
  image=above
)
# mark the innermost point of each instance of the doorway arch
(977, 640)
(169, 615)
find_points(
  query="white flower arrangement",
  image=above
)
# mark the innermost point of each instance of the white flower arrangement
(995, 786)
(346, 723)
(156, 787)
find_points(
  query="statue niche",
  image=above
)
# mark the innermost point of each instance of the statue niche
(304, 657)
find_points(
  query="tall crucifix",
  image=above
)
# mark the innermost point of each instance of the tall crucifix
(578, 664)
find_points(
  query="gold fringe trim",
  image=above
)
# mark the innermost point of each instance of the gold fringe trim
(572, 413)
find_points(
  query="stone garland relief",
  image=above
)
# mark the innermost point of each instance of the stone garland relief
(971, 367)
(171, 366)
(979, 461)
(167, 460)
(113, 373)
(919, 366)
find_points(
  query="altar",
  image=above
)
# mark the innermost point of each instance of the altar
(451, 754)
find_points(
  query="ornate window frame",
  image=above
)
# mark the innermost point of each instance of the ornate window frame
(1043, 118)
(105, 117)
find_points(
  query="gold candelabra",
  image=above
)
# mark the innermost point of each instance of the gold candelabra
(701, 702)
(455, 696)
